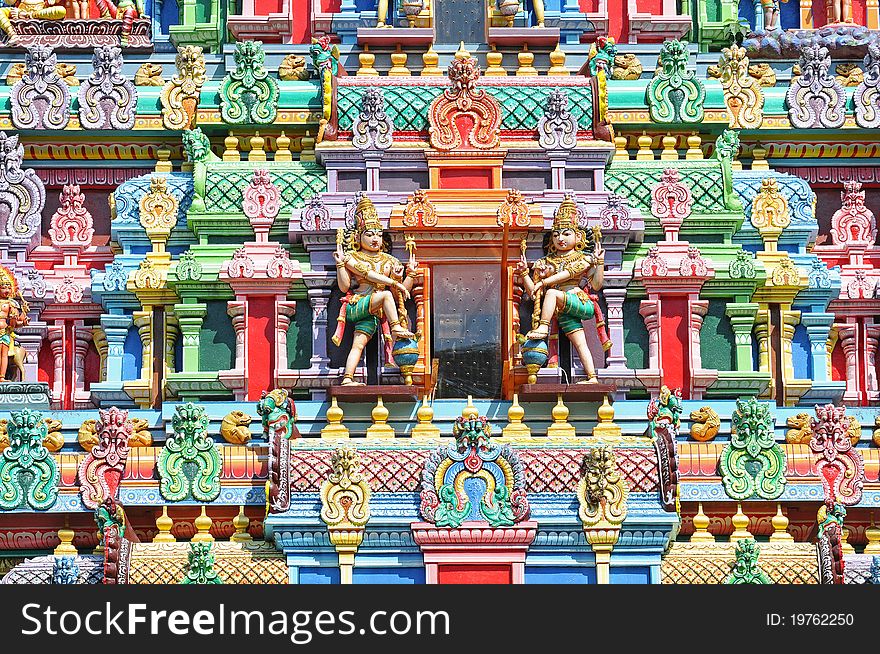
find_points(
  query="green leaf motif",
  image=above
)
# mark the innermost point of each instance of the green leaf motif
(201, 565)
(448, 514)
(248, 96)
(28, 473)
(675, 95)
(500, 512)
(752, 464)
(189, 445)
(746, 569)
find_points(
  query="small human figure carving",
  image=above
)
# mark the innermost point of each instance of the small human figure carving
(126, 11)
(41, 9)
(839, 11)
(375, 284)
(13, 313)
(575, 256)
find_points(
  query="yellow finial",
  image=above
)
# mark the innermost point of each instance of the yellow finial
(844, 542)
(526, 59)
(257, 153)
(380, 427)
(694, 151)
(231, 151)
(557, 62)
(645, 153)
(606, 426)
(620, 151)
(398, 64)
(334, 427)
(282, 148)
(669, 152)
(65, 535)
(164, 523)
(493, 63)
(516, 428)
(366, 59)
(163, 165)
(241, 522)
(740, 525)
(430, 59)
(307, 147)
(780, 526)
(203, 525)
(462, 52)
(469, 411)
(872, 533)
(425, 427)
(560, 428)
(701, 527)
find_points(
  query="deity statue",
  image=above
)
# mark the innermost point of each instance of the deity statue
(13, 313)
(839, 11)
(771, 15)
(126, 11)
(575, 258)
(42, 9)
(375, 284)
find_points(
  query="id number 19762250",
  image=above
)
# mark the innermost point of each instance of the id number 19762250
(810, 620)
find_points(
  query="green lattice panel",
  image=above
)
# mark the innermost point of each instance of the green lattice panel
(407, 107)
(297, 183)
(522, 105)
(707, 186)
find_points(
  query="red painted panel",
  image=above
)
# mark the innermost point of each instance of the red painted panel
(674, 343)
(838, 363)
(331, 6)
(465, 123)
(93, 366)
(654, 7)
(261, 346)
(46, 362)
(820, 14)
(470, 178)
(618, 20)
(266, 7)
(302, 21)
(69, 367)
(475, 574)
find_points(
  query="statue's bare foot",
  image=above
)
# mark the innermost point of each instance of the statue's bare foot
(539, 334)
(399, 332)
(590, 380)
(348, 381)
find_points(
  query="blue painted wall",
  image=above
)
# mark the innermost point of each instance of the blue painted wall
(560, 575)
(800, 353)
(388, 575)
(630, 575)
(319, 575)
(132, 355)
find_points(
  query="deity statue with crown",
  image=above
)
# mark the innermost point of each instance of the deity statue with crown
(563, 285)
(376, 285)
(13, 313)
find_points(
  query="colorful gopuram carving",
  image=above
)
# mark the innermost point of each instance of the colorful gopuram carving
(597, 298)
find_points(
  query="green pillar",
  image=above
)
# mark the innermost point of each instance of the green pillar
(190, 318)
(742, 319)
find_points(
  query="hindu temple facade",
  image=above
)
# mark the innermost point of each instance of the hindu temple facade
(286, 294)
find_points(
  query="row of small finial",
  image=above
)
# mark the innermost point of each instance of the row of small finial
(424, 428)
(164, 524)
(669, 151)
(256, 151)
(430, 59)
(780, 533)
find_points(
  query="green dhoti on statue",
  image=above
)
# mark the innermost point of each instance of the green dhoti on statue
(358, 314)
(578, 306)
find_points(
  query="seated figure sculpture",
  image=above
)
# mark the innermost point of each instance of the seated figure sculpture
(126, 11)
(13, 313)
(40, 9)
(375, 284)
(574, 256)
